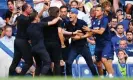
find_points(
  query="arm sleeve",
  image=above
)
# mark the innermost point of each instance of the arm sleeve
(104, 23)
(59, 23)
(44, 24)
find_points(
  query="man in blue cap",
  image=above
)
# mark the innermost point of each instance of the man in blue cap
(78, 42)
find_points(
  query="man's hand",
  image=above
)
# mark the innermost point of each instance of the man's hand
(86, 29)
(76, 37)
(45, 7)
(76, 32)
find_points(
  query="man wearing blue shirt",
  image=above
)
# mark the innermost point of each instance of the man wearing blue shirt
(120, 35)
(129, 36)
(103, 51)
(78, 42)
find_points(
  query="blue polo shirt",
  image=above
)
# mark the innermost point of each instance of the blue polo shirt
(78, 26)
(125, 23)
(130, 49)
(115, 40)
(106, 36)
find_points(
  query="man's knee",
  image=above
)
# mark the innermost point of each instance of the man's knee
(104, 60)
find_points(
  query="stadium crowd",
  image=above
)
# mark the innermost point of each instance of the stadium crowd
(50, 34)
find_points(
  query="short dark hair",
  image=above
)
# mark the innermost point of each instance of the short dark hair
(63, 7)
(32, 16)
(114, 18)
(25, 6)
(10, 1)
(8, 26)
(129, 32)
(131, 22)
(53, 11)
(100, 6)
(119, 25)
(75, 2)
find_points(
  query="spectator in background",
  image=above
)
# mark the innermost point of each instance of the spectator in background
(129, 8)
(11, 8)
(123, 22)
(55, 2)
(112, 26)
(130, 26)
(129, 17)
(119, 12)
(129, 36)
(107, 9)
(120, 35)
(123, 45)
(39, 5)
(8, 39)
(2, 27)
(122, 58)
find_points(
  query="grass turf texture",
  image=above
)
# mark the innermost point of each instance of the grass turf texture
(62, 78)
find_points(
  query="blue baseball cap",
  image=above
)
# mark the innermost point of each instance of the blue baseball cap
(74, 10)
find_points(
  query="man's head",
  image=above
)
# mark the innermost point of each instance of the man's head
(114, 22)
(27, 8)
(131, 26)
(119, 12)
(120, 29)
(123, 44)
(99, 11)
(107, 6)
(73, 14)
(63, 11)
(8, 31)
(74, 4)
(120, 17)
(10, 5)
(53, 11)
(34, 17)
(129, 36)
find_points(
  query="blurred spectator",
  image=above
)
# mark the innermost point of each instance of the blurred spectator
(55, 2)
(112, 26)
(130, 26)
(129, 8)
(39, 5)
(122, 58)
(129, 17)
(2, 26)
(129, 36)
(119, 12)
(123, 45)
(107, 9)
(120, 35)
(123, 22)
(8, 39)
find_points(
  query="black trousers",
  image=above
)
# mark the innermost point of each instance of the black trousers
(54, 50)
(42, 59)
(82, 50)
(22, 49)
